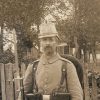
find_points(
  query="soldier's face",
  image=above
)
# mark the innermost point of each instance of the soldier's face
(48, 45)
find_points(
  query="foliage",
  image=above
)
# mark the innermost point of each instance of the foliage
(74, 17)
(87, 24)
(87, 17)
(7, 57)
(21, 14)
(85, 20)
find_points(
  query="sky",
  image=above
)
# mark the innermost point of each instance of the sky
(8, 40)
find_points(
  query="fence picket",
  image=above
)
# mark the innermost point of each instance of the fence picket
(3, 82)
(9, 87)
(23, 69)
(9, 81)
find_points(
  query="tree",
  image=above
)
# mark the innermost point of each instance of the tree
(20, 15)
(86, 19)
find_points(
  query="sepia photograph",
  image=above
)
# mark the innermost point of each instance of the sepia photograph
(49, 49)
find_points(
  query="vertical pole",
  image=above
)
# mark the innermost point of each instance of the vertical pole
(3, 82)
(17, 83)
(9, 81)
(86, 84)
(16, 54)
(94, 84)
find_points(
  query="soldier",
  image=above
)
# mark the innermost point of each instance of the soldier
(48, 73)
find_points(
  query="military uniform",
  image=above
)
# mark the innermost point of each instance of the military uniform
(48, 77)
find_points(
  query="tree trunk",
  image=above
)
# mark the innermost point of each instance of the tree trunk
(76, 47)
(38, 31)
(86, 84)
(1, 39)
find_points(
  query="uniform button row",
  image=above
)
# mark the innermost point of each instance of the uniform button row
(46, 79)
(46, 73)
(45, 91)
(45, 86)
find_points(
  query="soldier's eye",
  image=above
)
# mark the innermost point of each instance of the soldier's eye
(44, 39)
(50, 39)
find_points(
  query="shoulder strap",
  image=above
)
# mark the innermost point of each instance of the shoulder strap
(35, 64)
(64, 75)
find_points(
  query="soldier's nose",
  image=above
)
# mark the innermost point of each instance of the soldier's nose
(47, 42)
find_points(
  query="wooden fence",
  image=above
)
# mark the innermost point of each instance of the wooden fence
(9, 84)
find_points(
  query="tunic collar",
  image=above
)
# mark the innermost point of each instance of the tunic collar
(53, 59)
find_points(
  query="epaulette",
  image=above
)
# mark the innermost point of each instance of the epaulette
(65, 60)
(35, 61)
(35, 64)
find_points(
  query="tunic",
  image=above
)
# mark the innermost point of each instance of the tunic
(48, 77)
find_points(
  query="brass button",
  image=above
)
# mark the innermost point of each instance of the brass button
(45, 86)
(46, 80)
(45, 91)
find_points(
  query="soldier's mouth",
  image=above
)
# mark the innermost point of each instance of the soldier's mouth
(48, 50)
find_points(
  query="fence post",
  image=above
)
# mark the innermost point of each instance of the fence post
(94, 84)
(23, 69)
(3, 81)
(86, 84)
(9, 81)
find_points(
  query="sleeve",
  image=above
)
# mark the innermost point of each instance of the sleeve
(74, 85)
(28, 79)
